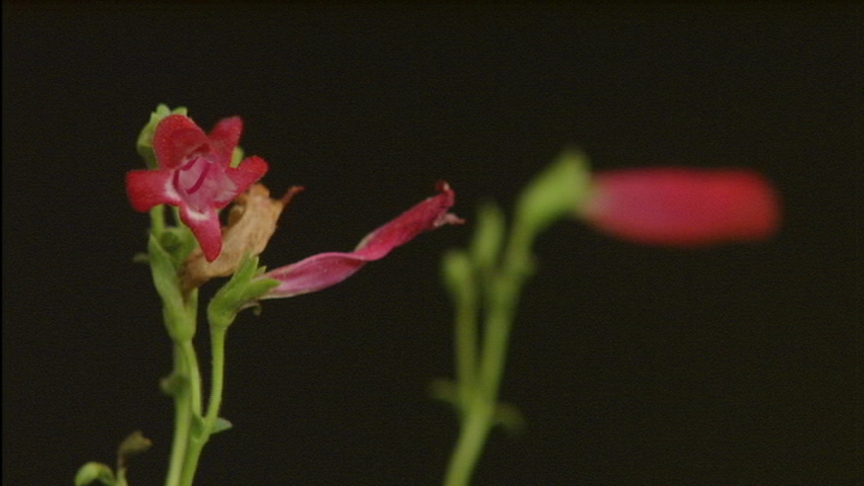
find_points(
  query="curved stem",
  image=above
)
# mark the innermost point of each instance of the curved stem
(193, 374)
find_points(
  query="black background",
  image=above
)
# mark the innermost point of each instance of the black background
(734, 365)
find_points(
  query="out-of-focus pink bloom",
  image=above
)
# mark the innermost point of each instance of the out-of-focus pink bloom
(683, 207)
(326, 269)
(195, 174)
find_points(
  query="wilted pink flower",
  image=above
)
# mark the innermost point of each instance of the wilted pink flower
(195, 174)
(683, 207)
(326, 269)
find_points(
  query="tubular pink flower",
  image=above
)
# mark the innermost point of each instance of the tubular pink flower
(327, 269)
(683, 207)
(195, 174)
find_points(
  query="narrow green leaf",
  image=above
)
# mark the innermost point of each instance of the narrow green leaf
(94, 471)
(131, 446)
(220, 425)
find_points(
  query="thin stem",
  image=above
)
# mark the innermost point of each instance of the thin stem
(185, 386)
(182, 420)
(499, 322)
(217, 340)
(479, 396)
(200, 438)
(472, 436)
(157, 220)
(466, 344)
(194, 376)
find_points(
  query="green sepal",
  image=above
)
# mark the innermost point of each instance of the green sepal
(556, 192)
(488, 237)
(220, 425)
(241, 291)
(95, 471)
(144, 144)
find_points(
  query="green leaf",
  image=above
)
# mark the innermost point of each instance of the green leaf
(164, 274)
(510, 418)
(220, 425)
(94, 471)
(173, 384)
(181, 327)
(131, 446)
(240, 292)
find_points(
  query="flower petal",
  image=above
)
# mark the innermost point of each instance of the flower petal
(175, 138)
(149, 188)
(207, 229)
(327, 269)
(244, 175)
(683, 207)
(225, 136)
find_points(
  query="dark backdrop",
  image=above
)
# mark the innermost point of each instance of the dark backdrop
(735, 365)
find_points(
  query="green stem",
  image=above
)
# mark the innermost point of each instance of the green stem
(479, 387)
(476, 425)
(182, 420)
(157, 220)
(499, 322)
(466, 344)
(184, 385)
(194, 377)
(201, 435)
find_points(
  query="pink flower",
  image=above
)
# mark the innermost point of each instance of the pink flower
(326, 269)
(195, 174)
(683, 207)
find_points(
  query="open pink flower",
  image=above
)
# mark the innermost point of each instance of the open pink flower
(683, 207)
(195, 174)
(326, 269)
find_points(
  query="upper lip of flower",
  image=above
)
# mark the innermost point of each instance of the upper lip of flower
(195, 174)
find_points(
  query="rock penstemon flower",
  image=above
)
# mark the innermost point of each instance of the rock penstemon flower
(682, 207)
(195, 174)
